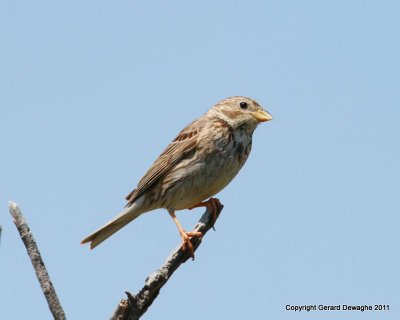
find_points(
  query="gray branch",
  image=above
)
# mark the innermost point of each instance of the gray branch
(37, 262)
(136, 305)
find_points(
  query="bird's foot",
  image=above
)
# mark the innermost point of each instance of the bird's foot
(186, 243)
(212, 204)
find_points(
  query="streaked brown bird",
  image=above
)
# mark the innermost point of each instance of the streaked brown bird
(201, 161)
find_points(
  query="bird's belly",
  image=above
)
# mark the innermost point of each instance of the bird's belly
(191, 183)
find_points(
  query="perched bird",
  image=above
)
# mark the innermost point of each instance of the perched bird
(204, 157)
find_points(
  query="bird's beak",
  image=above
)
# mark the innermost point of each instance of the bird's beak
(262, 115)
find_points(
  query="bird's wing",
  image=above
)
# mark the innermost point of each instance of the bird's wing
(185, 142)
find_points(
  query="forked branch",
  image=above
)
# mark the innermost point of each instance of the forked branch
(136, 305)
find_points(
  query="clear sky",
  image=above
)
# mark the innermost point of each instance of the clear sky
(91, 93)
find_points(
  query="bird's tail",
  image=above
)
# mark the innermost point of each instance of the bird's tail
(112, 226)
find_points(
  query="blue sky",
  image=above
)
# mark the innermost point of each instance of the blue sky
(91, 93)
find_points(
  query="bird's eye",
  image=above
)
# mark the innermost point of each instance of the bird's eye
(243, 105)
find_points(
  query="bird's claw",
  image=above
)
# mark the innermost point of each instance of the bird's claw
(212, 204)
(216, 205)
(187, 244)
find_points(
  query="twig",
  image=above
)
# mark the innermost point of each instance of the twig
(136, 305)
(37, 262)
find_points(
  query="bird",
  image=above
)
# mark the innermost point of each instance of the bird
(201, 161)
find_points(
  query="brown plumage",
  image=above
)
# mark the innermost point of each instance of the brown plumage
(204, 157)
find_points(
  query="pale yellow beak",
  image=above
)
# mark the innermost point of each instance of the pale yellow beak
(262, 115)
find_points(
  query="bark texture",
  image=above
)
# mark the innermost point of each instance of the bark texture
(37, 262)
(137, 304)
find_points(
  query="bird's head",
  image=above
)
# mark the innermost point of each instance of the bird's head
(238, 111)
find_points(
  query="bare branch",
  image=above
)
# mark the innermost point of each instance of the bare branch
(136, 305)
(37, 262)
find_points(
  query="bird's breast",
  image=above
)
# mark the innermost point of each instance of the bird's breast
(206, 171)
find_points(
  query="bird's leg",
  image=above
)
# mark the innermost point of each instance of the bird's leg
(186, 244)
(212, 204)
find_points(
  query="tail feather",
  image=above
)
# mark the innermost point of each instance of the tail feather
(112, 226)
